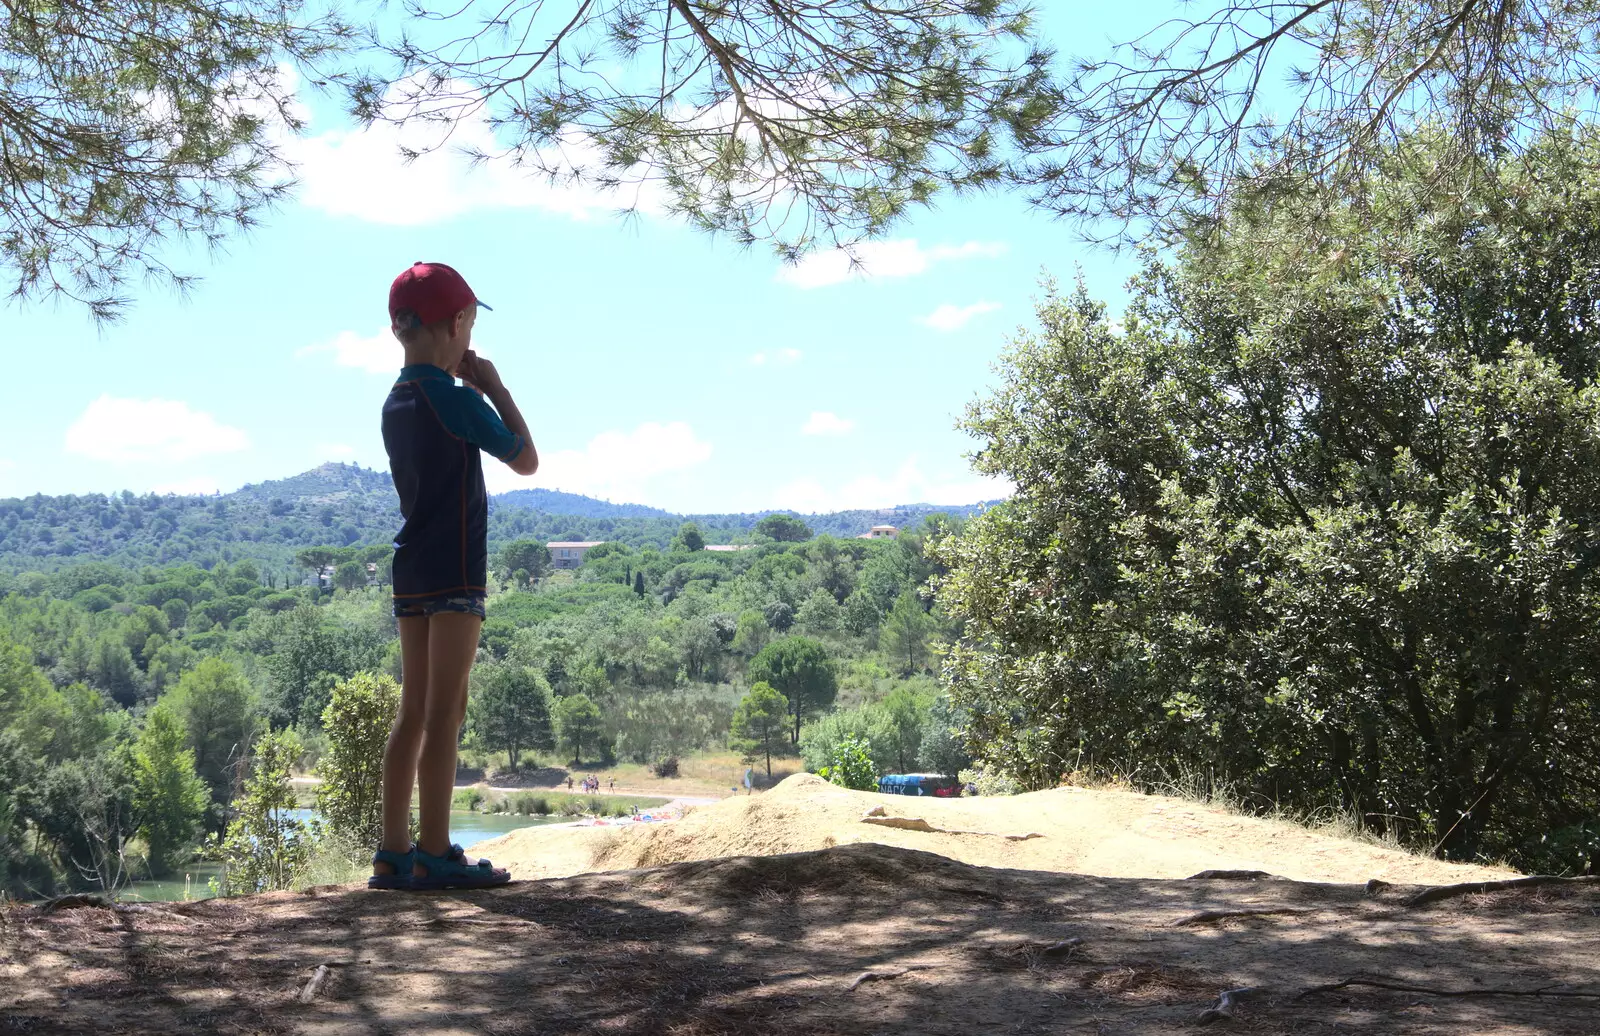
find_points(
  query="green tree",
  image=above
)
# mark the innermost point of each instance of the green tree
(690, 538)
(638, 584)
(529, 557)
(800, 670)
(356, 722)
(906, 632)
(751, 632)
(509, 710)
(820, 613)
(904, 712)
(943, 750)
(577, 722)
(759, 722)
(169, 798)
(350, 575)
(265, 847)
(217, 708)
(785, 528)
(1313, 517)
(851, 766)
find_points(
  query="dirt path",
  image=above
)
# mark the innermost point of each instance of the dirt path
(855, 939)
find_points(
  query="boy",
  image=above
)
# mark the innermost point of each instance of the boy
(434, 430)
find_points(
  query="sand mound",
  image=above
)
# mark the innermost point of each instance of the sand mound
(1074, 830)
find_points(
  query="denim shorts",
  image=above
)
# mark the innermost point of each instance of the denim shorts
(422, 607)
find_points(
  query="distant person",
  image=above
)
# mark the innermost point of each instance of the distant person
(611, 785)
(434, 431)
(569, 784)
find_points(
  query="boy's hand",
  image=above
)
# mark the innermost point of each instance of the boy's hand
(477, 372)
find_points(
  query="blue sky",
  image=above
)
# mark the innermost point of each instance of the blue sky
(655, 364)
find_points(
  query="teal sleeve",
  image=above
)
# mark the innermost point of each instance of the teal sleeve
(467, 416)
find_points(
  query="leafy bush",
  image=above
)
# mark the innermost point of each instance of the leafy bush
(526, 803)
(990, 782)
(852, 766)
(356, 725)
(467, 800)
(264, 848)
(667, 767)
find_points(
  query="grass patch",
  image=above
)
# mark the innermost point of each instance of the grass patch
(558, 803)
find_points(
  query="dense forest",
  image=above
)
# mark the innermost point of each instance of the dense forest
(126, 689)
(339, 505)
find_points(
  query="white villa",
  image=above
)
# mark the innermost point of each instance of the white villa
(569, 553)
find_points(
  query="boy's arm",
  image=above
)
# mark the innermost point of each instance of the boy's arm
(482, 375)
(526, 461)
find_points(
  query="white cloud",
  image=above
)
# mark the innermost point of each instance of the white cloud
(908, 485)
(362, 172)
(129, 430)
(826, 422)
(375, 354)
(615, 465)
(952, 318)
(900, 258)
(335, 450)
(200, 485)
(776, 358)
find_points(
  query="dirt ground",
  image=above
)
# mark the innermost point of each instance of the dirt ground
(858, 939)
(1082, 831)
(853, 938)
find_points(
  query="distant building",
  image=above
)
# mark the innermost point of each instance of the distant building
(729, 546)
(569, 553)
(880, 532)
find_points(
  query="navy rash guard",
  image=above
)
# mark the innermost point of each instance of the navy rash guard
(433, 430)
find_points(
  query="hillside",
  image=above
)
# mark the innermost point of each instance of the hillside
(338, 505)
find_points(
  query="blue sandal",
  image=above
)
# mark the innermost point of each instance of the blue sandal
(399, 862)
(455, 871)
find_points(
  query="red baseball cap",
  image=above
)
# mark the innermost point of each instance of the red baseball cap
(433, 291)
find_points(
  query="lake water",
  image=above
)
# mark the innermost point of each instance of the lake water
(468, 829)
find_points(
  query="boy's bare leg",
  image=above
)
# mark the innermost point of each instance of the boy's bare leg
(452, 646)
(405, 739)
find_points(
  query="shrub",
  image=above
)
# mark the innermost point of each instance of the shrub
(467, 799)
(667, 767)
(990, 783)
(852, 766)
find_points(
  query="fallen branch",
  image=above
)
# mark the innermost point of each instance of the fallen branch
(919, 824)
(1210, 916)
(1469, 888)
(313, 987)
(76, 901)
(878, 976)
(1229, 876)
(1406, 987)
(1064, 946)
(1227, 1000)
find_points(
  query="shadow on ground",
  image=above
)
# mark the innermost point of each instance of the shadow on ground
(779, 945)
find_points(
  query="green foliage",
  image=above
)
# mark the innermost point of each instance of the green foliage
(689, 538)
(264, 847)
(356, 724)
(169, 798)
(1316, 517)
(785, 528)
(906, 632)
(801, 671)
(577, 723)
(851, 766)
(467, 800)
(524, 562)
(509, 710)
(217, 708)
(759, 723)
(943, 749)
